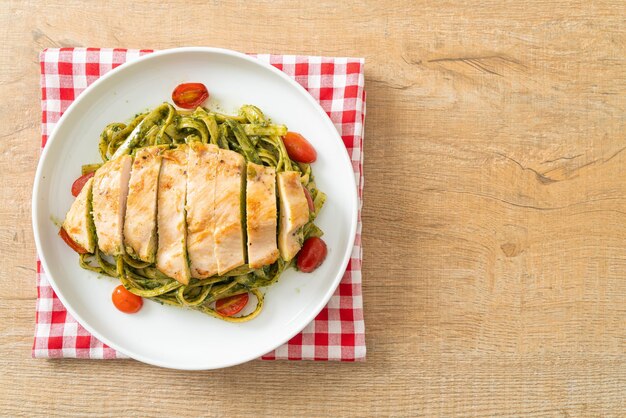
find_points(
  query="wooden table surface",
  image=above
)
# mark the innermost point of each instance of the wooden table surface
(494, 216)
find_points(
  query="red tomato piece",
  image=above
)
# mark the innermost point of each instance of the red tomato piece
(309, 199)
(311, 255)
(69, 241)
(190, 95)
(298, 148)
(126, 301)
(231, 305)
(79, 183)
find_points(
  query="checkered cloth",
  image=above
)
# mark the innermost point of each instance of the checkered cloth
(338, 332)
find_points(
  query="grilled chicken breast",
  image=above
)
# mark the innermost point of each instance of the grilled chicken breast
(78, 222)
(294, 214)
(141, 205)
(261, 216)
(185, 209)
(171, 258)
(201, 180)
(110, 188)
(229, 191)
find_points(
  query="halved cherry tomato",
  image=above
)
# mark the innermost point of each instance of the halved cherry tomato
(190, 95)
(126, 301)
(309, 199)
(69, 241)
(231, 305)
(298, 148)
(311, 255)
(79, 183)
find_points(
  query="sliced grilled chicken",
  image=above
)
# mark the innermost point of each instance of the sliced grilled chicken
(201, 178)
(294, 214)
(261, 217)
(78, 222)
(171, 258)
(141, 205)
(229, 191)
(110, 188)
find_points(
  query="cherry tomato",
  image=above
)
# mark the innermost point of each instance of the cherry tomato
(79, 183)
(190, 95)
(309, 199)
(231, 305)
(298, 148)
(312, 254)
(69, 241)
(126, 301)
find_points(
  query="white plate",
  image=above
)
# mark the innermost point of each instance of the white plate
(168, 336)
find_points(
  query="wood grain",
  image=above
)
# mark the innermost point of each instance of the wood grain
(494, 219)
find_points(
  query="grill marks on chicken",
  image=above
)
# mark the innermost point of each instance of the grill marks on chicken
(201, 180)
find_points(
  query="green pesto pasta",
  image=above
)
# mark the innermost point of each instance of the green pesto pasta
(250, 134)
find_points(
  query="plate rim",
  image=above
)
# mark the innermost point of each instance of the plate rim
(155, 55)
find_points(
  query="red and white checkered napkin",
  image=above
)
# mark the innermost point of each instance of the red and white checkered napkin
(338, 332)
